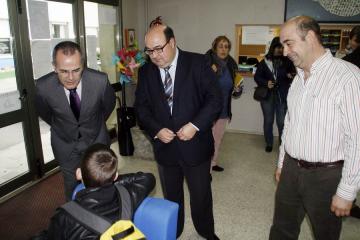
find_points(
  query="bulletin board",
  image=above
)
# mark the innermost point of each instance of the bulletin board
(253, 41)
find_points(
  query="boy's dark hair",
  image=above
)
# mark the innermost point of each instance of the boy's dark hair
(355, 32)
(68, 48)
(98, 166)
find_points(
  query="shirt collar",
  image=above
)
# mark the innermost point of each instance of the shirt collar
(78, 88)
(318, 64)
(321, 61)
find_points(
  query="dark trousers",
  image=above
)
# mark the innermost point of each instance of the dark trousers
(198, 182)
(68, 170)
(305, 191)
(271, 107)
(70, 182)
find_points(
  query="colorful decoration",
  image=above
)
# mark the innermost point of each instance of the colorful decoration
(126, 61)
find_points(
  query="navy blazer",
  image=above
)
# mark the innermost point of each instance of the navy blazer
(197, 99)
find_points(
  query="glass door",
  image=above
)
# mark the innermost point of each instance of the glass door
(102, 31)
(16, 150)
(50, 22)
(29, 30)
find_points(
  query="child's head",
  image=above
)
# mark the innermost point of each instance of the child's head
(98, 166)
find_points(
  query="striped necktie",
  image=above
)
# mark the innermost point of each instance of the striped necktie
(168, 87)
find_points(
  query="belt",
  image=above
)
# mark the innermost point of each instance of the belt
(313, 165)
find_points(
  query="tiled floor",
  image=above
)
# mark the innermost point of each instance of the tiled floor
(243, 194)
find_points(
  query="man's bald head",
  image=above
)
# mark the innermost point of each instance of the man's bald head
(161, 29)
(304, 24)
(301, 39)
(160, 45)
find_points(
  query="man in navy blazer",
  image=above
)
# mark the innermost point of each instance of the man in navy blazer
(71, 133)
(178, 117)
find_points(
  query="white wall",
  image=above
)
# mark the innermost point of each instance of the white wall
(134, 16)
(197, 22)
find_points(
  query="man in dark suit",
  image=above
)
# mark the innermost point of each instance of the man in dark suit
(177, 101)
(75, 101)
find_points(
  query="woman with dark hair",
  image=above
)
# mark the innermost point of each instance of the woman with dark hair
(226, 69)
(354, 44)
(275, 72)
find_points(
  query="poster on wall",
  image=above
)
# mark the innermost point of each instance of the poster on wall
(129, 37)
(254, 35)
(325, 11)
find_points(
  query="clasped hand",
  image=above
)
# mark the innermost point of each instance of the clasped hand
(185, 133)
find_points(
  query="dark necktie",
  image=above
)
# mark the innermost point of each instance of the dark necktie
(168, 87)
(75, 103)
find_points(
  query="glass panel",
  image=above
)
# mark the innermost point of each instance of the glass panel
(101, 29)
(12, 153)
(9, 95)
(101, 33)
(45, 141)
(49, 23)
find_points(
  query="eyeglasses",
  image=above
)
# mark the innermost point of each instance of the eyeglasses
(157, 50)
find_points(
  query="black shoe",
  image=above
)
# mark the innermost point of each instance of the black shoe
(214, 237)
(217, 168)
(268, 149)
(355, 211)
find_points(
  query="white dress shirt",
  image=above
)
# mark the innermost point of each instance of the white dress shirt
(323, 119)
(78, 91)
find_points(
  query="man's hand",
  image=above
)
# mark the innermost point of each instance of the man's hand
(270, 84)
(341, 207)
(277, 174)
(186, 133)
(166, 135)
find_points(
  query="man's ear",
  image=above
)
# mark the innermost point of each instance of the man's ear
(311, 36)
(54, 66)
(172, 42)
(116, 176)
(78, 174)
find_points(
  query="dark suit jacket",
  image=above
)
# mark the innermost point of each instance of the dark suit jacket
(97, 103)
(197, 99)
(263, 74)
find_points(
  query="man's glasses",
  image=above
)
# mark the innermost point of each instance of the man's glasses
(157, 50)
